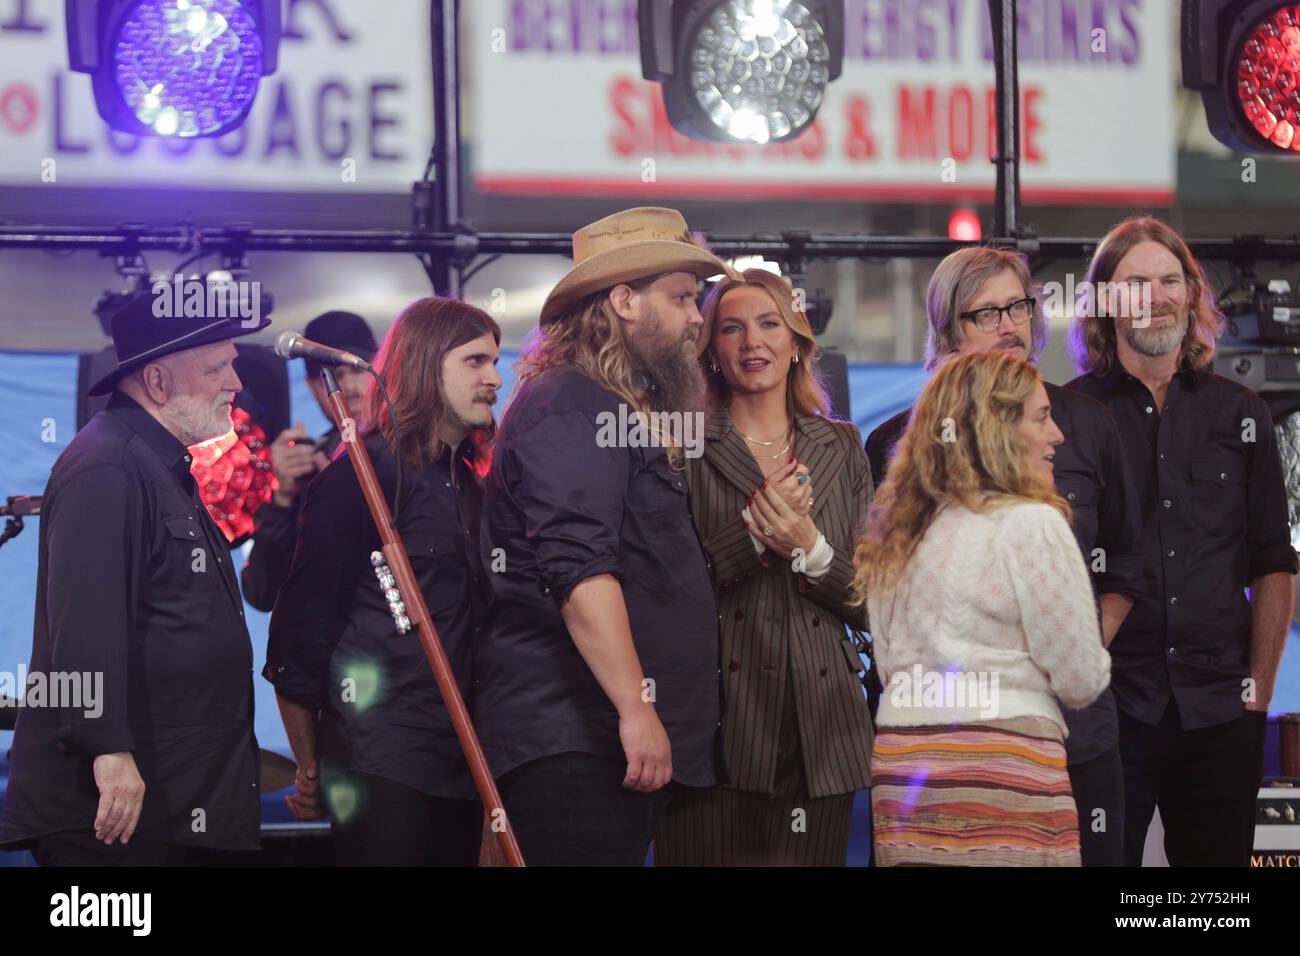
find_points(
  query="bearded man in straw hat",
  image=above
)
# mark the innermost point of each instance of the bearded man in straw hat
(597, 677)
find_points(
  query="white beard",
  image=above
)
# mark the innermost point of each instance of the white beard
(196, 421)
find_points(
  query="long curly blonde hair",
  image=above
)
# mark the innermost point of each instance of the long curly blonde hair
(961, 447)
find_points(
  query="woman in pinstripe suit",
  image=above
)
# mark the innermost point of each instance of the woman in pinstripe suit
(776, 499)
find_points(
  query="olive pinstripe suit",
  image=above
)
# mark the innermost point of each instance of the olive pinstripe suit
(783, 635)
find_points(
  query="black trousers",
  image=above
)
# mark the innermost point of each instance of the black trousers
(571, 809)
(1204, 781)
(385, 823)
(1098, 786)
(80, 848)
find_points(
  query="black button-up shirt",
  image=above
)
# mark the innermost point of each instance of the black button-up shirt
(274, 538)
(1090, 473)
(135, 584)
(1209, 484)
(561, 508)
(333, 644)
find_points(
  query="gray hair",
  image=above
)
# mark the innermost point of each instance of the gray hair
(954, 284)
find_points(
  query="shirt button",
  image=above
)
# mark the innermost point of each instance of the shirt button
(1173, 600)
(1170, 553)
(1150, 410)
(1069, 495)
(773, 619)
(1162, 456)
(735, 666)
(739, 615)
(1223, 476)
(1172, 652)
(1168, 503)
(823, 672)
(816, 621)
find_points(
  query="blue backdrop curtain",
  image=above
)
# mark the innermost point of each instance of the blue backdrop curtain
(38, 396)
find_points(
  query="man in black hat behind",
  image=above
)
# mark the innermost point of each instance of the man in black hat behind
(295, 458)
(136, 600)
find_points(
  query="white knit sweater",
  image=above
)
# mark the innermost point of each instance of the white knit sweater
(992, 618)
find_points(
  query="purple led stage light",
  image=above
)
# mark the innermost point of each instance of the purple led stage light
(187, 67)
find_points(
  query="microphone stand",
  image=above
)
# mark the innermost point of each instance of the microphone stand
(418, 613)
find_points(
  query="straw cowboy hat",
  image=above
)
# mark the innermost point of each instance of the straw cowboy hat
(626, 246)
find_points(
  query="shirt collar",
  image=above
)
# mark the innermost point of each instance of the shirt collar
(170, 449)
(462, 455)
(1117, 376)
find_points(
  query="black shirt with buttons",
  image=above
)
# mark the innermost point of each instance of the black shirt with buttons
(135, 583)
(562, 505)
(1210, 490)
(275, 536)
(334, 646)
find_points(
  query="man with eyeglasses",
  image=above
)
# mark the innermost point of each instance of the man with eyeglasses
(980, 299)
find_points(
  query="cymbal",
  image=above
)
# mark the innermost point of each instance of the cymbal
(8, 712)
(277, 771)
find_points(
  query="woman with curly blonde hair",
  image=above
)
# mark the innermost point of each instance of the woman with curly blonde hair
(982, 618)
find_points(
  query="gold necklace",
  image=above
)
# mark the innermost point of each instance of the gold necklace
(769, 444)
(773, 457)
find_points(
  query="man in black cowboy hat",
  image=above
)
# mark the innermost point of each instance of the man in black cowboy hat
(135, 595)
(295, 458)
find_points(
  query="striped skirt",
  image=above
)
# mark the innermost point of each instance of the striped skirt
(995, 794)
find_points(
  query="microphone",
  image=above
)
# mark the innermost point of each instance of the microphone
(291, 345)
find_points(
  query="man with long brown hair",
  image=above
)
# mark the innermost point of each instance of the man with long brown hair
(1195, 660)
(363, 713)
(597, 680)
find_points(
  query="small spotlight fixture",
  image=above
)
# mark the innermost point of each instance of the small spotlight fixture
(1244, 58)
(174, 68)
(742, 71)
